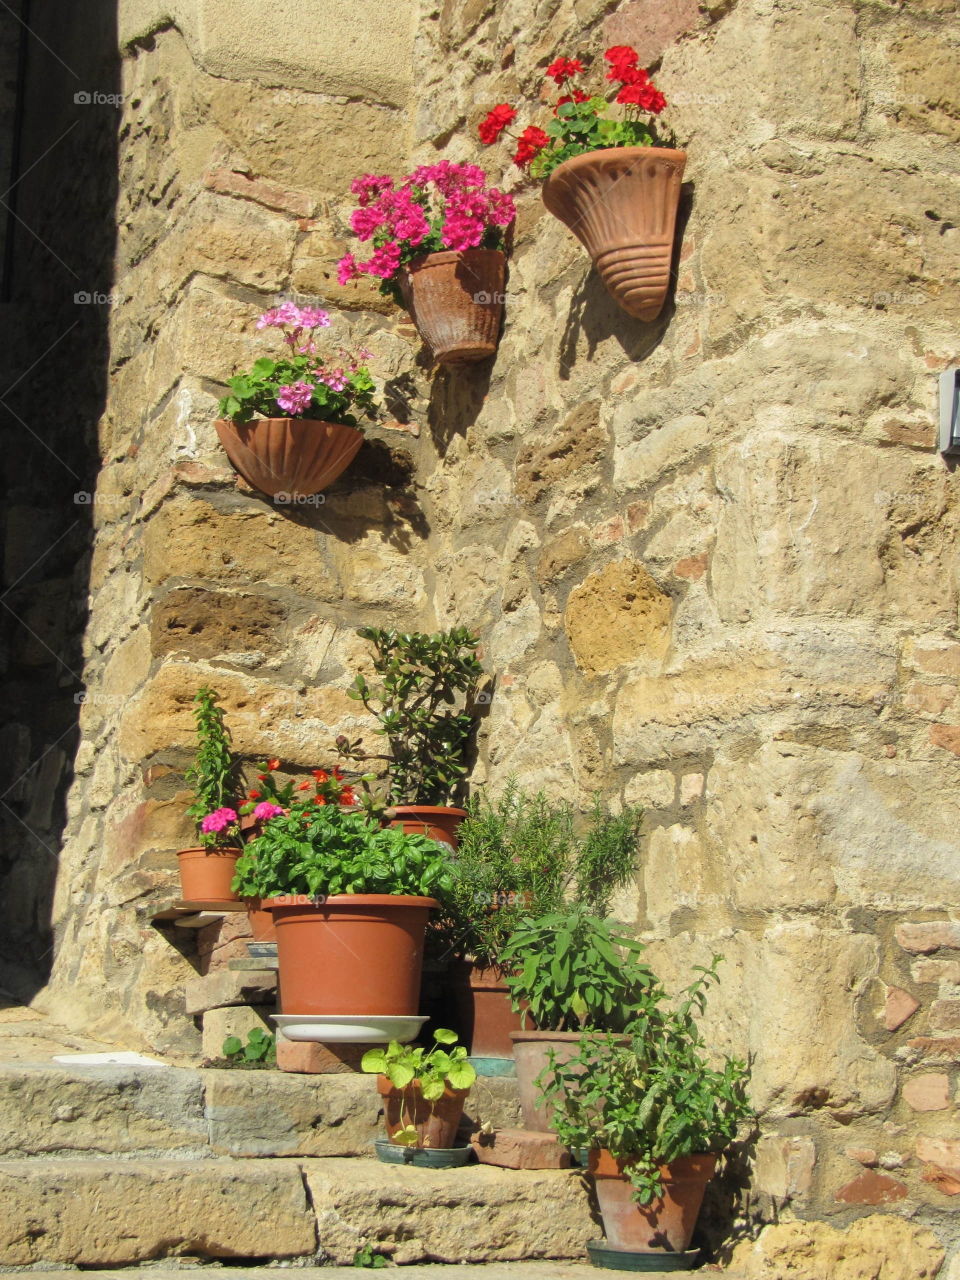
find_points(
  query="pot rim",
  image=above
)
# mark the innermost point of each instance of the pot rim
(540, 1037)
(601, 1158)
(588, 157)
(386, 1088)
(302, 901)
(306, 422)
(194, 850)
(442, 256)
(427, 808)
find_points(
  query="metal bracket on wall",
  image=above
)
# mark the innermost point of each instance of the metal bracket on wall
(950, 411)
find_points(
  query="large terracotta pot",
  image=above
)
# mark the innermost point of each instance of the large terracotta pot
(621, 204)
(484, 1012)
(664, 1225)
(354, 954)
(205, 874)
(455, 299)
(436, 1122)
(531, 1050)
(439, 822)
(289, 458)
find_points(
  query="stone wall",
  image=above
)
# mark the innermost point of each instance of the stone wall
(712, 560)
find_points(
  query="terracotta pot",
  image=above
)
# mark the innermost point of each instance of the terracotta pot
(436, 1122)
(354, 954)
(485, 1016)
(455, 299)
(621, 204)
(664, 1225)
(439, 822)
(530, 1049)
(289, 457)
(262, 928)
(205, 874)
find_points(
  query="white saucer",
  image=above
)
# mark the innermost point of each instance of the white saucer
(345, 1029)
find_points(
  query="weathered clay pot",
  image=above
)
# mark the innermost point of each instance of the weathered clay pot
(530, 1050)
(435, 1122)
(205, 874)
(455, 299)
(664, 1225)
(485, 1015)
(621, 204)
(354, 954)
(289, 458)
(438, 822)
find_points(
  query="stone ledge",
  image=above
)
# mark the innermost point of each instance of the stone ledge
(226, 987)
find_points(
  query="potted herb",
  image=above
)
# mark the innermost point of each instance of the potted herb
(614, 182)
(423, 1093)
(289, 425)
(350, 901)
(524, 856)
(573, 972)
(207, 869)
(426, 687)
(438, 238)
(655, 1114)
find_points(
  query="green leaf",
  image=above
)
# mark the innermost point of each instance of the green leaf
(461, 1075)
(399, 1074)
(232, 1046)
(406, 1137)
(443, 1036)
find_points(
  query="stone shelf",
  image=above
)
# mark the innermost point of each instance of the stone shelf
(194, 915)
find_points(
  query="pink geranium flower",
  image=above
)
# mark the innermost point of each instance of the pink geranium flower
(266, 810)
(219, 820)
(296, 398)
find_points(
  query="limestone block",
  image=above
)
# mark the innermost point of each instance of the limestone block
(783, 1166)
(924, 93)
(227, 987)
(453, 1215)
(877, 1247)
(201, 624)
(102, 1213)
(616, 616)
(567, 458)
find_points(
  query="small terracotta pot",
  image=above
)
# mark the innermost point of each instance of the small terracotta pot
(530, 1049)
(663, 1226)
(354, 954)
(621, 204)
(205, 874)
(485, 1015)
(438, 822)
(436, 1122)
(289, 457)
(455, 299)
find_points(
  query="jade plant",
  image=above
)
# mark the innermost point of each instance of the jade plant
(214, 775)
(652, 1094)
(420, 1073)
(425, 687)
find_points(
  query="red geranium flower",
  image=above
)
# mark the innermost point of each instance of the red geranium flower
(644, 96)
(621, 58)
(321, 775)
(253, 795)
(347, 797)
(562, 69)
(273, 763)
(630, 75)
(304, 786)
(530, 143)
(495, 122)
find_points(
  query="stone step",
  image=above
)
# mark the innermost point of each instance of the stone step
(111, 1213)
(61, 1110)
(552, 1270)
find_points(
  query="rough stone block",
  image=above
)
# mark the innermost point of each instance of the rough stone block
(521, 1149)
(226, 987)
(879, 1246)
(103, 1213)
(318, 1059)
(898, 1006)
(872, 1188)
(236, 1020)
(927, 1092)
(924, 936)
(945, 1015)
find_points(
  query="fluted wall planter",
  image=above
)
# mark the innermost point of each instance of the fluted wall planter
(455, 299)
(621, 204)
(289, 457)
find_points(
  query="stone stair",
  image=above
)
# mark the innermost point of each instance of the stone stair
(111, 1166)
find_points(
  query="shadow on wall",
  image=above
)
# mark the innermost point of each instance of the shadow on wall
(60, 77)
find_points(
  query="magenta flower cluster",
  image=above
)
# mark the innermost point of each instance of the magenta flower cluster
(297, 324)
(219, 820)
(266, 809)
(438, 206)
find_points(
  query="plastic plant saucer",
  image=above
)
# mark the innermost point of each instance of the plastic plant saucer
(347, 1029)
(426, 1157)
(606, 1255)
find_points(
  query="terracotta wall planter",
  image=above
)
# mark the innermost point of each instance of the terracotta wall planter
(484, 1013)
(664, 1225)
(456, 301)
(352, 955)
(621, 204)
(205, 874)
(438, 822)
(289, 456)
(436, 1122)
(530, 1049)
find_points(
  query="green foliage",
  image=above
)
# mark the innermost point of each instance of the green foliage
(416, 704)
(365, 1257)
(261, 1047)
(582, 126)
(522, 856)
(574, 971)
(435, 1069)
(651, 1095)
(327, 850)
(256, 392)
(214, 774)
